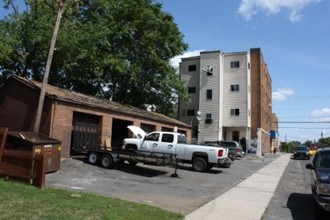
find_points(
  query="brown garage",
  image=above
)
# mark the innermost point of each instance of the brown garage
(80, 121)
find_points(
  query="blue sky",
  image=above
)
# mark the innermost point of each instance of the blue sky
(294, 38)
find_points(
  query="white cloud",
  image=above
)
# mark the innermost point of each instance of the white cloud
(282, 94)
(321, 114)
(249, 8)
(177, 59)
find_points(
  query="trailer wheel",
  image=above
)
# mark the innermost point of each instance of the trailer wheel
(199, 164)
(93, 158)
(132, 163)
(107, 161)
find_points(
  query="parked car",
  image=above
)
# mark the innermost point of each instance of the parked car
(235, 148)
(231, 155)
(312, 151)
(320, 183)
(301, 152)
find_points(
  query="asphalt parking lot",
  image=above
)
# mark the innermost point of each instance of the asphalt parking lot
(153, 185)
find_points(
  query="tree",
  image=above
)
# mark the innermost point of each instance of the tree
(118, 50)
(308, 143)
(324, 142)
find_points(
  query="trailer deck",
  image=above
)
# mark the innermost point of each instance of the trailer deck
(116, 156)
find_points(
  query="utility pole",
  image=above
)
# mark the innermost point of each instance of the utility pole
(48, 64)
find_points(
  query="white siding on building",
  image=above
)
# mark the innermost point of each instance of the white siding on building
(210, 131)
(235, 99)
(190, 79)
(223, 99)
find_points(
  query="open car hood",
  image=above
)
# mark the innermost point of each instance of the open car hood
(137, 131)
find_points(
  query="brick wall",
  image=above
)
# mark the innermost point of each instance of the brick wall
(63, 120)
(18, 106)
(261, 98)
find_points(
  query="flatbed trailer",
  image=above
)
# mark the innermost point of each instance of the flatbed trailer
(110, 158)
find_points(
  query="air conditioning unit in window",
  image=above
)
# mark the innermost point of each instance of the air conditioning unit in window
(209, 70)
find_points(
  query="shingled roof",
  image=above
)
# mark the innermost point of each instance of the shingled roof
(98, 103)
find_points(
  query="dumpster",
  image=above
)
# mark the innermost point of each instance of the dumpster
(37, 143)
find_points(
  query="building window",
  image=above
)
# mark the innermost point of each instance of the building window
(209, 70)
(191, 68)
(209, 94)
(208, 118)
(234, 88)
(190, 112)
(192, 90)
(234, 112)
(234, 64)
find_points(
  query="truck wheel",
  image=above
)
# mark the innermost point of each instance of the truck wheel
(107, 161)
(199, 164)
(93, 158)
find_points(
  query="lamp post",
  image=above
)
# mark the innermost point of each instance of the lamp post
(48, 64)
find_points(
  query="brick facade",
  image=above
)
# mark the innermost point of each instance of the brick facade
(18, 105)
(261, 101)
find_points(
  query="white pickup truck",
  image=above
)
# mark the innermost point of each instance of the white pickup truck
(201, 157)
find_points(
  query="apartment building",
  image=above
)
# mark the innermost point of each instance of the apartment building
(219, 85)
(261, 102)
(230, 97)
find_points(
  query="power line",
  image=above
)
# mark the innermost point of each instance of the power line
(305, 128)
(303, 122)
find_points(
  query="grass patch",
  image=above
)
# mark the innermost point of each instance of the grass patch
(20, 201)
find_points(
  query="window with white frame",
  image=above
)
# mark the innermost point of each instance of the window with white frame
(234, 88)
(190, 112)
(209, 94)
(234, 112)
(191, 89)
(192, 68)
(208, 118)
(234, 64)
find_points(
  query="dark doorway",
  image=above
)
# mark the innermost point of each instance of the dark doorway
(86, 133)
(119, 132)
(148, 128)
(236, 136)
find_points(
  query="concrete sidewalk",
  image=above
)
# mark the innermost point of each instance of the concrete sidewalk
(247, 200)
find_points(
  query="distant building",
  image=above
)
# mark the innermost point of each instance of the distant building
(80, 121)
(230, 97)
(274, 137)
